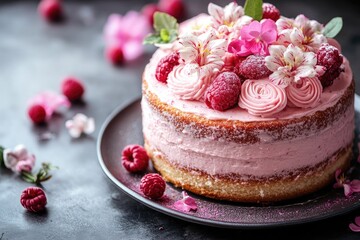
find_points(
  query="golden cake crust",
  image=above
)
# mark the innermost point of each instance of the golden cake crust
(261, 190)
(247, 132)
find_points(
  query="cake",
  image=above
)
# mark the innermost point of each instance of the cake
(249, 109)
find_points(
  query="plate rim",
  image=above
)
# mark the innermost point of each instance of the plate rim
(190, 218)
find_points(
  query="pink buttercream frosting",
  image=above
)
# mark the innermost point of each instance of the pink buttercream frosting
(262, 98)
(305, 94)
(189, 81)
(329, 97)
(263, 159)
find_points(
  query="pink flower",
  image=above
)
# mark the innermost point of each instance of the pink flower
(127, 32)
(355, 227)
(255, 38)
(350, 187)
(19, 159)
(186, 204)
(50, 101)
(80, 124)
(291, 64)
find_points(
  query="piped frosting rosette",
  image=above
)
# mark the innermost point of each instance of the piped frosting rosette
(189, 81)
(305, 94)
(262, 98)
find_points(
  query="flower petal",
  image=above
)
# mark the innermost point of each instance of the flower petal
(51, 101)
(132, 49)
(354, 228)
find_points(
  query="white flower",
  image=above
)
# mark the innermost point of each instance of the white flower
(291, 64)
(80, 124)
(203, 50)
(227, 16)
(301, 32)
(195, 26)
(19, 159)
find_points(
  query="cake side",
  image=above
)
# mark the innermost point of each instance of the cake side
(246, 109)
(265, 190)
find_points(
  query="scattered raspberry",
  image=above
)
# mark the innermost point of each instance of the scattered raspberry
(224, 91)
(329, 57)
(114, 55)
(175, 8)
(33, 199)
(37, 113)
(165, 66)
(148, 11)
(253, 67)
(72, 88)
(152, 185)
(51, 10)
(270, 12)
(134, 158)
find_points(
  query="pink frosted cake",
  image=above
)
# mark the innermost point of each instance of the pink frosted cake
(249, 110)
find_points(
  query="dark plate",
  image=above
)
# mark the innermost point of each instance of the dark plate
(124, 127)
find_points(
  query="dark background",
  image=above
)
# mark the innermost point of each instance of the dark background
(82, 203)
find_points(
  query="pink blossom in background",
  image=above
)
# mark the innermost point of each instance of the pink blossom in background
(50, 101)
(255, 38)
(185, 204)
(350, 187)
(127, 32)
(19, 159)
(355, 227)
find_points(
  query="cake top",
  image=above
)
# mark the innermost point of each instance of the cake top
(248, 59)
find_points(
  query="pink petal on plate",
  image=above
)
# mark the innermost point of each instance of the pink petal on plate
(357, 220)
(354, 228)
(186, 204)
(347, 190)
(355, 185)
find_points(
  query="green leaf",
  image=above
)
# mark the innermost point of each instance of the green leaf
(166, 29)
(164, 21)
(253, 8)
(165, 35)
(333, 27)
(152, 39)
(1, 156)
(28, 177)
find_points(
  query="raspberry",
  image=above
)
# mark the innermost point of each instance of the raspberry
(33, 199)
(270, 12)
(329, 76)
(37, 113)
(134, 158)
(253, 67)
(152, 185)
(175, 8)
(148, 11)
(224, 91)
(165, 66)
(329, 57)
(114, 54)
(72, 88)
(51, 10)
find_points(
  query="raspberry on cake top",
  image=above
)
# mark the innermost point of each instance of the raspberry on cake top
(238, 60)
